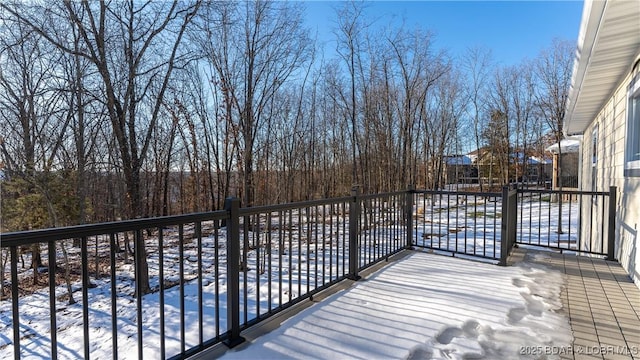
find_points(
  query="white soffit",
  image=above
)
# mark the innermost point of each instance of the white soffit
(608, 43)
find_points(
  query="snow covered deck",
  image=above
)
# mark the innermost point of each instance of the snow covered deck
(431, 306)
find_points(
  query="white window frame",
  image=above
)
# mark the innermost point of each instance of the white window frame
(631, 158)
(594, 146)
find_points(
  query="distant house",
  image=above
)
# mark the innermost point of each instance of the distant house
(538, 170)
(522, 167)
(490, 165)
(604, 106)
(565, 163)
(459, 169)
(476, 154)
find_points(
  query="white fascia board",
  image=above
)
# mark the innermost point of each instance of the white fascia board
(592, 14)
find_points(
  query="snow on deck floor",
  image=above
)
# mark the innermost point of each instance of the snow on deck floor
(428, 306)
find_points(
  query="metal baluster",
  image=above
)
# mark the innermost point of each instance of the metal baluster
(52, 299)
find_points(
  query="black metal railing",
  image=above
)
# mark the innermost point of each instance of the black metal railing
(212, 275)
(179, 254)
(568, 220)
(384, 224)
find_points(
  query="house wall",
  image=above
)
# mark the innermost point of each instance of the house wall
(610, 125)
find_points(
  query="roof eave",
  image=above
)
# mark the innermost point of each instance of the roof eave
(601, 21)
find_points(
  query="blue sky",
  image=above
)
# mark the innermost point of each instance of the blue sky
(512, 30)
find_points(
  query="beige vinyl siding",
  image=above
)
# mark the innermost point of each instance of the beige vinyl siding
(611, 123)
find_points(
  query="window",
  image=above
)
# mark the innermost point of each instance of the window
(632, 154)
(594, 147)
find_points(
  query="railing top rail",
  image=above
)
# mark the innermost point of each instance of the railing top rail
(383, 195)
(575, 192)
(291, 206)
(467, 193)
(21, 238)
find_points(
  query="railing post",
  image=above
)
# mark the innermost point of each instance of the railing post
(409, 215)
(513, 220)
(505, 234)
(232, 206)
(354, 227)
(611, 250)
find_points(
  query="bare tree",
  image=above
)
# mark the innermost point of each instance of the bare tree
(477, 64)
(255, 48)
(553, 68)
(125, 49)
(527, 125)
(447, 106)
(496, 135)
(500, 127)
(337, 168)
(34, 128)
(350, 31)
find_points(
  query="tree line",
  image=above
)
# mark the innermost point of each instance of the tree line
(126, 109)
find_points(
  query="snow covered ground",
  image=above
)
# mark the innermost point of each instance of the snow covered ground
(427, 306)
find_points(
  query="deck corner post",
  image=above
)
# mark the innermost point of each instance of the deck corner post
(409, 215)
(508, 228)
(232, 206)
(354, 227)
(504, 243)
